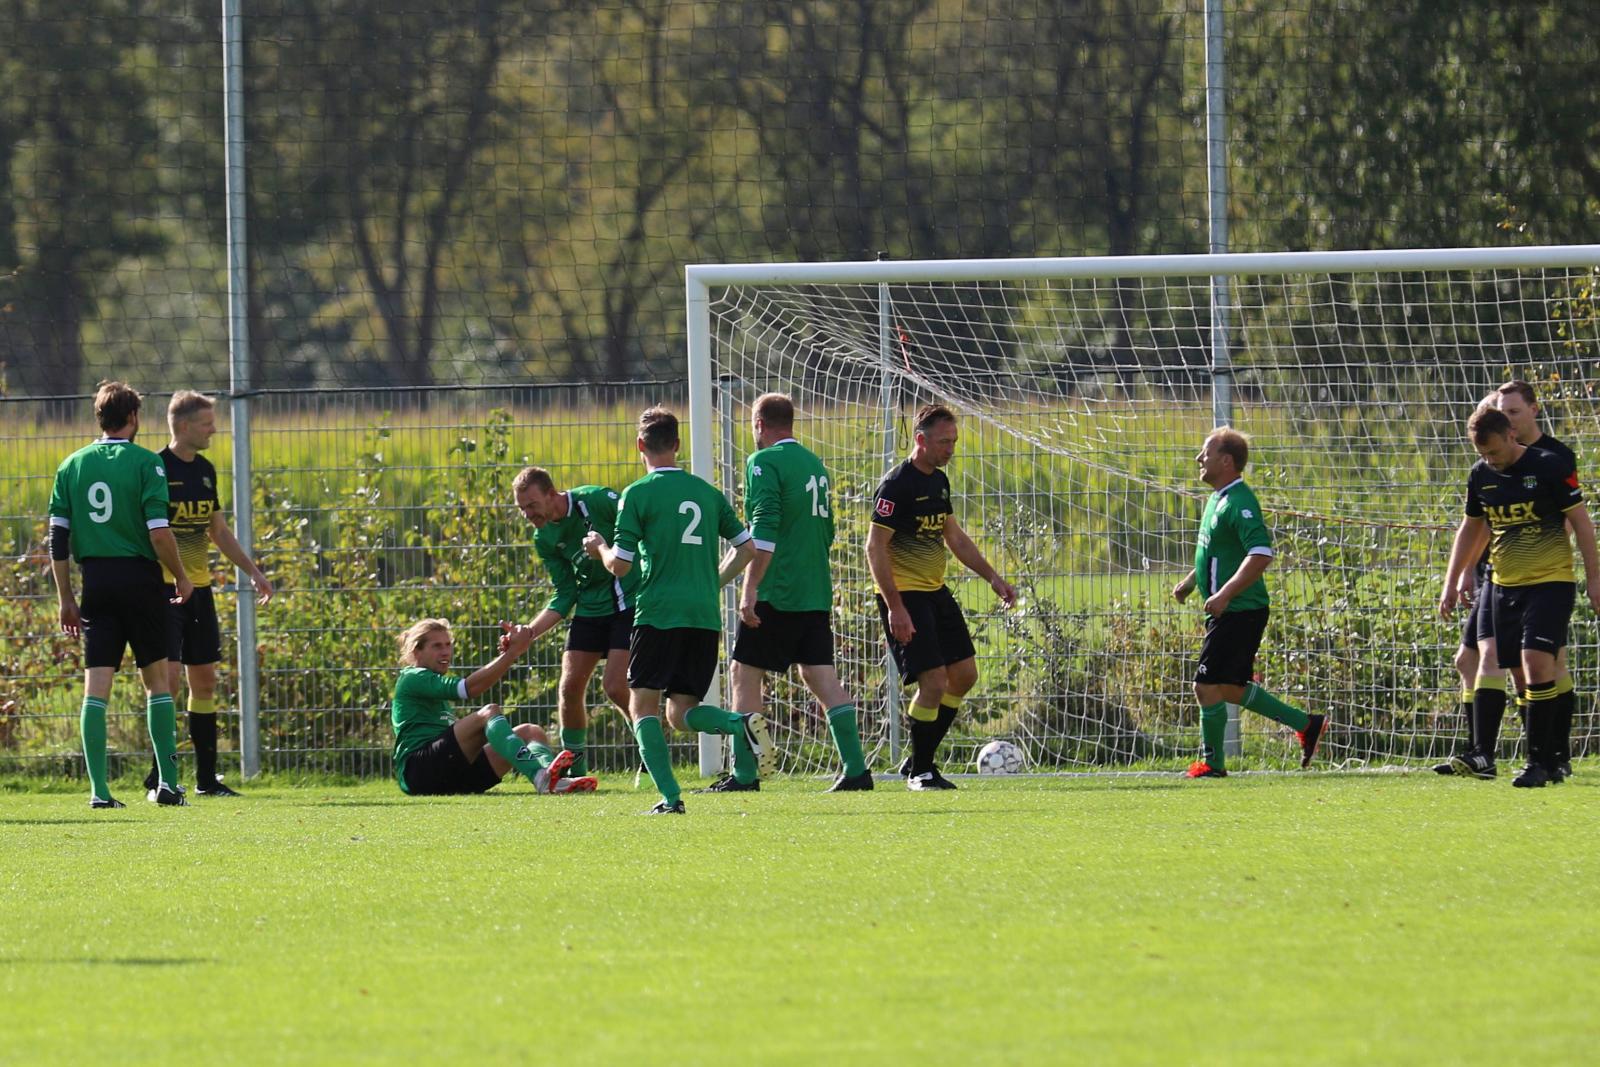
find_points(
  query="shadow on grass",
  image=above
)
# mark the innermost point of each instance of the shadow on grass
(96, 961)
(100, 821)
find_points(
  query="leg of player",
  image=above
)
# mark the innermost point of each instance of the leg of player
(161, 718)
(1539, 669)
(1566, 704)
(1492, 678)
(1466, 665)
(823, 681)
(959, 679)
(174, 684)
(924, 715)
(92, 722)
(645, 707)
(202, 708)
(523, 748)
(1214, 701)
(753, 754)
(576, 670)
(746, 683)
(1307, 728)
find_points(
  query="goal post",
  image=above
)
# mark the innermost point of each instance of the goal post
(1085, 386)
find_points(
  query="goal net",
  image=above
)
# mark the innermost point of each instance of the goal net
(1085, 388)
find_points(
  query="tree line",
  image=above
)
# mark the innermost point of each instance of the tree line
(483, 191)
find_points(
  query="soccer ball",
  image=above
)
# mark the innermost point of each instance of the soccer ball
(999, 757)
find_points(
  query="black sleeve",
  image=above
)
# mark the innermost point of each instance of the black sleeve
(60, 542)
(1474, 507)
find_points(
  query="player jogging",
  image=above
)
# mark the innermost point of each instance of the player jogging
(913, 524)
(1528, 497)
(108, 507)
(1233, 550)
(194, 634)
(786, 607)
(669, 521)
(436, 753)
(600, 603)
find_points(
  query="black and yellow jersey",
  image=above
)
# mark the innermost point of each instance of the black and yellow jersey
(915, 506)
(191, 501)
(1525, 506)
(1482, 570)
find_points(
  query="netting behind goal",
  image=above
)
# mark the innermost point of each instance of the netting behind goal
(1084, 398)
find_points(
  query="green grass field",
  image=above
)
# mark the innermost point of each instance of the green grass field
(1266, 919)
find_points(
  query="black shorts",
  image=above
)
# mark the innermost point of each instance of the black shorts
(680, 660)
(440, 768)
(941, 636)
(1531, 616)
(193, 633)
(123, 605)
(1479, 623)
(600, 633)
(785, 638)
(1228, 653)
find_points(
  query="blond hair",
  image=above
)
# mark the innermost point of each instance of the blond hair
(416, 636)
(185, 404)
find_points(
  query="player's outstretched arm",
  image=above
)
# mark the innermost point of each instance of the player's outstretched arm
(1468, 534)
(967, 551)
(1583, 530)
(514, 641)
(230, 547)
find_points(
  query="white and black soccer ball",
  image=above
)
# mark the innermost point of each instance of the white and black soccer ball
(1000, 757)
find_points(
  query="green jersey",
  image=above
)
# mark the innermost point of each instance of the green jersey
(1230, 530)
(580, 581)
(109, 495)
(421, 712)
(786, 503)
(670, 520)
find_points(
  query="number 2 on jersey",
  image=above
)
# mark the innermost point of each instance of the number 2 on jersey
(689, 507)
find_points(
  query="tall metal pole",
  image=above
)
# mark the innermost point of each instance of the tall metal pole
(1217, 188)
(241, 385)
(730, 597)
(887, 409)
(697, 303)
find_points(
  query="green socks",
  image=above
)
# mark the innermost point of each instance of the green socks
(161, 716)
(657, 760)
(1213, 734)
(847, 739)
(92, 721)
(709, 719)
(1262, 702)
(575, 739)
(529, 758)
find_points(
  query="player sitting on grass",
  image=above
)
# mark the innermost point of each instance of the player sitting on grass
(1234, 550)
(436, 753)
